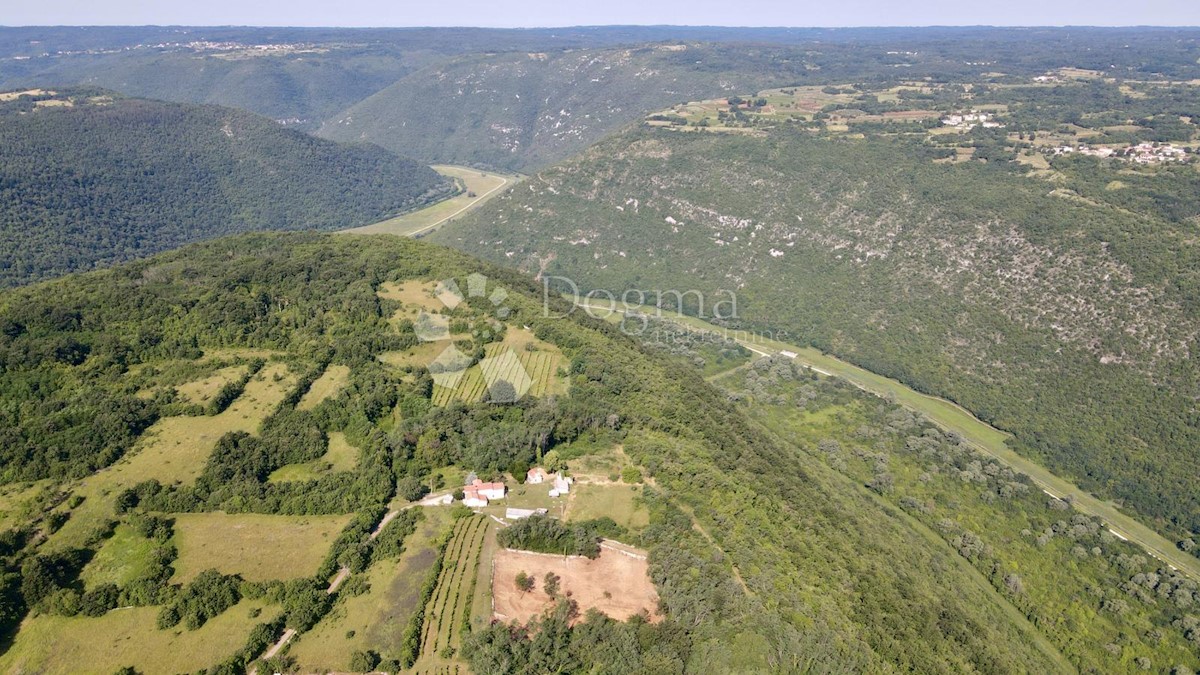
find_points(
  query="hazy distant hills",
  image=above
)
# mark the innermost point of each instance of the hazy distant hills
(531, 109)
(88, 178)
(451, 94)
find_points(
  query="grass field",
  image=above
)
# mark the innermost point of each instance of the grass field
(341, 456)
(21, 502)
(421, 355)
(127, 637)
(124, 557)
(481, 184)
(454, 595)
(375, 619)
(620, 502)
(333, 380)
(174, 449)
(201, 391)
(258, 547)
(414, 294)
(979, 434)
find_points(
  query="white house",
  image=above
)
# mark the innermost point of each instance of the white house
(472, 498)
(536, 476)
(478, 493)
(562, 485)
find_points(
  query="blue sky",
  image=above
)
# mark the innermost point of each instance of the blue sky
(529, 13)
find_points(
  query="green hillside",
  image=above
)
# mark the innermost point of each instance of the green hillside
(764, 560)
(89, 178)
(1053, 296)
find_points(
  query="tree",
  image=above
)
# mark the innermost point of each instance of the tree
(502, 391)
(524, 582)
(550, 584)
(411, 488)
(364, 661)
(553, 461)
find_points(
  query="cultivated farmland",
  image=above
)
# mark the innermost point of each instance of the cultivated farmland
(448, 611)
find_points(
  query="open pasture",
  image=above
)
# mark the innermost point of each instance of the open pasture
(128, 637)
(201, 391)
(341, 456)
(258, 547)
(618, 501)
(174, 449)
(333, 380)
(374, 619)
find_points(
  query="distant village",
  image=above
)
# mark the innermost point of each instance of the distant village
(1142, 153)
(969, 120)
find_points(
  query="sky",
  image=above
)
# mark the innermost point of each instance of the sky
(544, 13)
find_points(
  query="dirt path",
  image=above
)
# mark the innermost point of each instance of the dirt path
(344, 573)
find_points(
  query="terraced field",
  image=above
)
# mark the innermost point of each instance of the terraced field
(532, 373)
(449, 609)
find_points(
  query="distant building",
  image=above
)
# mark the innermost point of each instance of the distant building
(562, 485)
(517, 514)
(790, 355)
(479, 494)
(536, 476)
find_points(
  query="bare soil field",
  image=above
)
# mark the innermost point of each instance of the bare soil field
(617, 583)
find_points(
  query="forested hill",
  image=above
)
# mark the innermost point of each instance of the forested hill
(761, 565)
(1066, 319)
(89, 178)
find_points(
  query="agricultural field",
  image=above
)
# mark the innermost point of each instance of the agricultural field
(175, 449)
(341, 456)
(527, 363)
(258, 547)
(373, 620)
(449, 610)
(477, 187)
(333, 380)
(622, 503)
(617, 583)
(128, 637)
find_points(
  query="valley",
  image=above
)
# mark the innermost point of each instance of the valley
(306, 364)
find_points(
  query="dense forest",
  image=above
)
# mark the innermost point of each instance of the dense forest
(89, 178)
